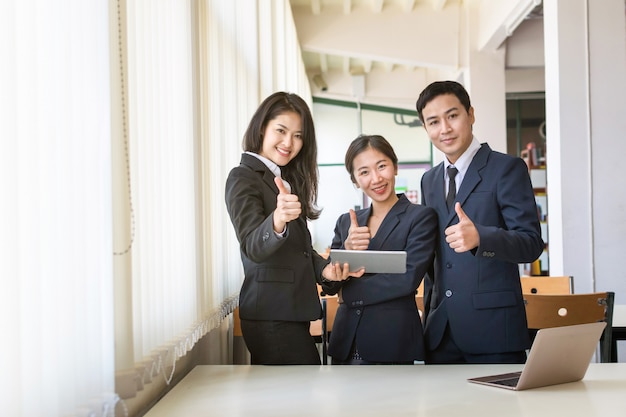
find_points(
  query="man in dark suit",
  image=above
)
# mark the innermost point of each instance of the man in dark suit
(474, 305)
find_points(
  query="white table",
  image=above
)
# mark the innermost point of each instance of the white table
(418, 390)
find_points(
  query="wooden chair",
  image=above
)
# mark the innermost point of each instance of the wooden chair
(543, 311)
(555, 285)
(419, 299)
(330, 304)
(236, 323)
(320, 329)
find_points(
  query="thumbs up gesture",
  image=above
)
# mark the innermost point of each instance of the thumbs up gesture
(463, 236)
(358, 236)
(288, 207)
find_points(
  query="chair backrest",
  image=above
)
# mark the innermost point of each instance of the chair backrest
(544, 311)
(419, 299)
(557, 285)
(236, 323)
(330, 304)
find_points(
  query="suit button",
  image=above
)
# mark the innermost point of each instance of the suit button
(448, 293)
(448, 265)
(306, 254)
(266, 236)
(358, 312)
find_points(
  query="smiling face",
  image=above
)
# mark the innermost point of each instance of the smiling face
(448, 125)
(375, 174)
(282, 139)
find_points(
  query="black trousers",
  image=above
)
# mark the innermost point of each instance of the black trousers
(280, 343)
(449, 353)
(354, 358)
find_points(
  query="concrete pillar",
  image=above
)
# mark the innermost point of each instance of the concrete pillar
(585, 67)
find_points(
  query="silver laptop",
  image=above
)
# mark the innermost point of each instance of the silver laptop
(558, 355)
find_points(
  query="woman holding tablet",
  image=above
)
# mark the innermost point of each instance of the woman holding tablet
(377, 321)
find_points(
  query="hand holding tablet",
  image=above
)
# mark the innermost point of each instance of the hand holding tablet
(386, 262)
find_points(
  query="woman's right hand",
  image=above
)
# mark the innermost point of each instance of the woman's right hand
(358, 236)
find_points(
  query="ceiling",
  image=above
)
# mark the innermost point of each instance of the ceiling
(383, 51)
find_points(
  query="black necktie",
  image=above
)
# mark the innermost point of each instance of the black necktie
(452, 171)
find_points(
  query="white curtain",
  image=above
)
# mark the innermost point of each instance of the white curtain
(56, 308)
(165, 280)
(153, 95)
(248, 50)
(187, 110)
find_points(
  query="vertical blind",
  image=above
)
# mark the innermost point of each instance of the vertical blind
(161, 143)
(194, 80)
(56, 304)
(177, 82)
(195, 76)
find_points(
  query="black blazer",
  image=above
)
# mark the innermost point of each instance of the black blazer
(379, 310)
(280, 274)
(478, 293)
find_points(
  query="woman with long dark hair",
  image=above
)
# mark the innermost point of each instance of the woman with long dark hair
(269, 198)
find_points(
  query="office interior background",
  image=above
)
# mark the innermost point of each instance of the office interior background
(122, 118)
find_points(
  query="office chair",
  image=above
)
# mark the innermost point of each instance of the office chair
(543, 311)
(555, 285)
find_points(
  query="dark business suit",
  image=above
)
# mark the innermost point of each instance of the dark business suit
(280, 273)
(378, 310)
(478, 293)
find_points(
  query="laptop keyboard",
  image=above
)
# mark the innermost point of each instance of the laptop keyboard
(509, 382)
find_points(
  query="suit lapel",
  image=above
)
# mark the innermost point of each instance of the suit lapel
(439, 193)
(390, 222)
(472, 176)
(268, 178)
(439, 190)
(362, 217)
(259, 166)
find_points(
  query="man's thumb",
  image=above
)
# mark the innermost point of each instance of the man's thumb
(459, 212)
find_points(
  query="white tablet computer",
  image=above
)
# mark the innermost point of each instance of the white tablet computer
(374, 261)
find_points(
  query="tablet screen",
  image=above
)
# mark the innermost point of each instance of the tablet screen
(386, 262)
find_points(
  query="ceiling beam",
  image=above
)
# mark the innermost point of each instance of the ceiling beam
(507, 18)
(360, 34)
